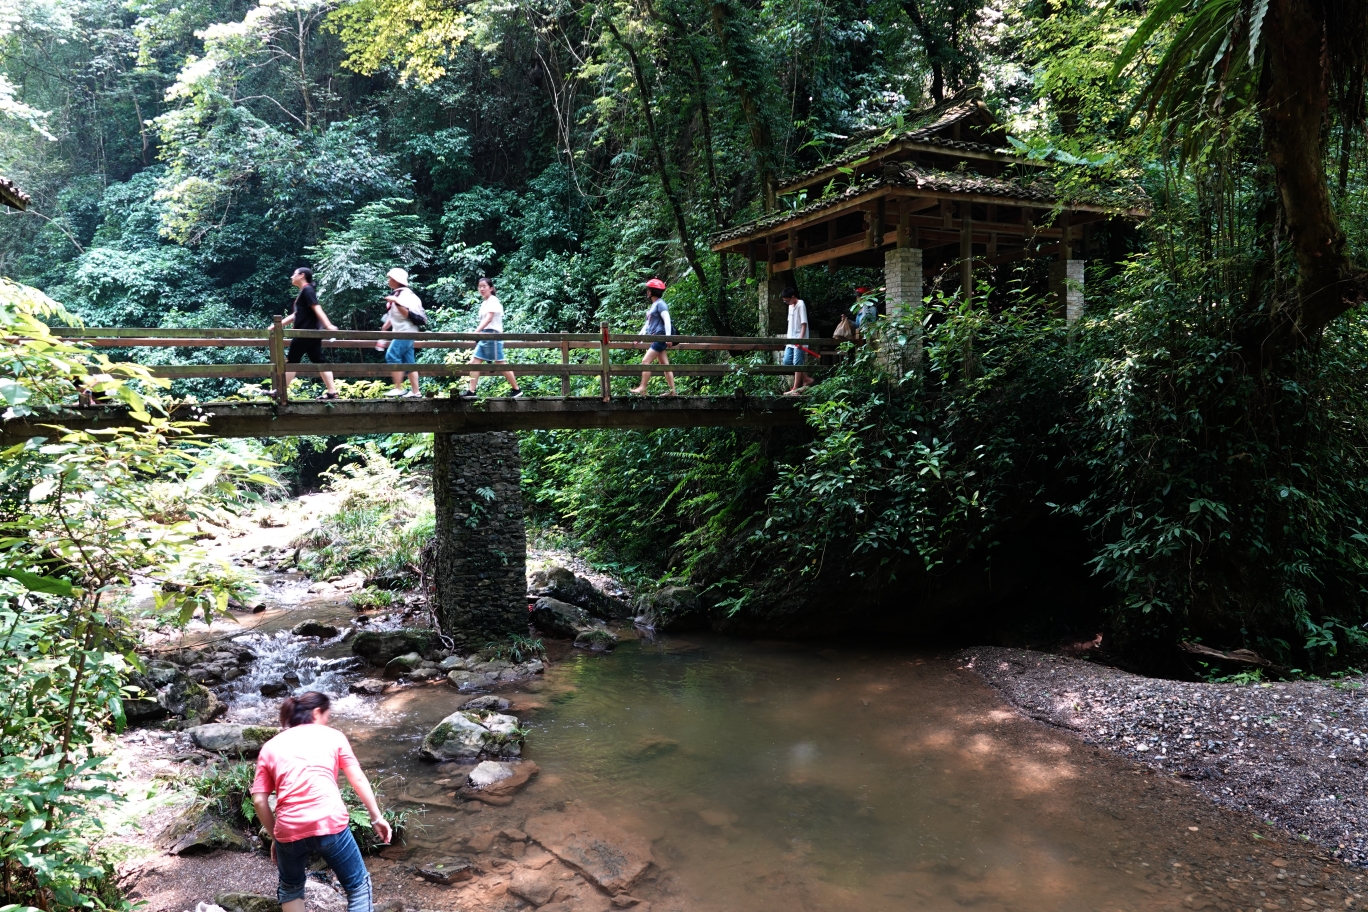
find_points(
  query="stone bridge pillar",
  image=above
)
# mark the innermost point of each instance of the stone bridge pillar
(480, 571)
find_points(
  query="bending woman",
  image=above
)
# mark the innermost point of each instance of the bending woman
(300, 766)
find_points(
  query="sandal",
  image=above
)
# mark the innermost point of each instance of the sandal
(327, 396)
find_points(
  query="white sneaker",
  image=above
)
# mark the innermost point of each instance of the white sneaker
(412, 395)
(393, 393)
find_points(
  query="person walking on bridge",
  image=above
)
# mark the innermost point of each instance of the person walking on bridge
(657, 324)
(795, 355)
(403, 314)
(308, 314)
(491, 316)
(300, 766)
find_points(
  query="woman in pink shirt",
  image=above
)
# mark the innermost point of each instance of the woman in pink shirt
(300, 766)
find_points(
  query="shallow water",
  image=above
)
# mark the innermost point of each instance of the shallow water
(781, 777)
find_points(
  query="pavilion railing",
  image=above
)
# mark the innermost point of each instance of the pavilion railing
(600, 364)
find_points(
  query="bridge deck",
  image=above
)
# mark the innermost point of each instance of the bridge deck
(458, 416)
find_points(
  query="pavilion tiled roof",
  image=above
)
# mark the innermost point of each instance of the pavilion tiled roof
(12, 196)
(923, 127)
(1031, 190)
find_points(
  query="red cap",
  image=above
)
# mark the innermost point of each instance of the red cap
(860, 291)
(656, 284)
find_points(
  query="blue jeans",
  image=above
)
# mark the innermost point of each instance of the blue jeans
(794, 356)
(340, 853)
(489, 350)
(400, 351)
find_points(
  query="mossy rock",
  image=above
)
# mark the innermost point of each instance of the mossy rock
(379, 647)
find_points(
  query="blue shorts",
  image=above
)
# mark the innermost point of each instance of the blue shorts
(400, 351)
(489, 351)
(794, 356)
(658, 346)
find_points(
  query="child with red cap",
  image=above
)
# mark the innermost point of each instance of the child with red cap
(657, 324)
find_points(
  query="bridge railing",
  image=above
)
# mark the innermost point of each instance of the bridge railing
(600, 365)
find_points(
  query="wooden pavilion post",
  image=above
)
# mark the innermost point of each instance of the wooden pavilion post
(967, 253)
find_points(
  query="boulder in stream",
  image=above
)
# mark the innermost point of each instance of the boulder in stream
(446, 871)
(194, 703)
(315, 628)
(558, 619)
(675, 609)
(535, 887)
(495, 782)
(467, 734)
(402, 664)
(231, 738)
(379, 646)
(371, 687)
(489, 702)
(468, 680)
(599, 639)
(561, 583)
(583, 838)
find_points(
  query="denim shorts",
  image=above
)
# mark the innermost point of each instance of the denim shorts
(794, 356)
(339, 852)
(658, 346)
(400, 351)
(489, 351)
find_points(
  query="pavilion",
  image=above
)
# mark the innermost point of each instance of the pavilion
(12, 196)
(939, 191)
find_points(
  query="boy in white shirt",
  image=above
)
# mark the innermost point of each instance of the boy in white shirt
(797, 329)
(491, 321)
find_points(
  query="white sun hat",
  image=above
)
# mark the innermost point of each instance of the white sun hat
(399, 275)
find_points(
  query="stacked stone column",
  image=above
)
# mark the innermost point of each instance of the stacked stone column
(903, 282)
(480, 571)
(1066, 283)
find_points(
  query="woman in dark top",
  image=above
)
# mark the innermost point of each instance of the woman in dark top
(308, 314)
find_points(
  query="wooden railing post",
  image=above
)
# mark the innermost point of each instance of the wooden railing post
(282, 393)
(565, 362)
(603, 349)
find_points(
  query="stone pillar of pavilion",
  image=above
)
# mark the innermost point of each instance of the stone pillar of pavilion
(903, 295)
(1066, 276)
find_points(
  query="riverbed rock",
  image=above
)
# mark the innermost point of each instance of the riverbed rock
(194, 703)
(371, 687)
(379, 646)
(200, 830)
(273, 688)
(403, 664)
(561, 583)
(468, 680)
(599, 639)
(231, 738)
(315, 628)
(535, 887)
(467, 734)
(446, 871)
(583, 838)
(453, 663)
(425, 672)
(317, 898)
(495, 782)
(490, 702)
(674, 609)
(558, 619)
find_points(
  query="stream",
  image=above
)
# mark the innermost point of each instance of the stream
(784, 776)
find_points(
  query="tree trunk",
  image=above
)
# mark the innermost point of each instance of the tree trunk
(657, 147)
(737, 58)
(1296, 102)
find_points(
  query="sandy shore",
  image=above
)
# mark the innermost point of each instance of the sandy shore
(1291, 753)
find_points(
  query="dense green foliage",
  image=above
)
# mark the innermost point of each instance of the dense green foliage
(1188, 461)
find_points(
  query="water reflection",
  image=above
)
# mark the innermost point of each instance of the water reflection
(772, 777)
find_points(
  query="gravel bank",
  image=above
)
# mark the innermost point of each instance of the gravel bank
(1291, 753)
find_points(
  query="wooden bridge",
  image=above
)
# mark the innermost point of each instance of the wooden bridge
(582, 361)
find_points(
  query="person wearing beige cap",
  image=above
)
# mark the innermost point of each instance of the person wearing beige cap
(403, 314)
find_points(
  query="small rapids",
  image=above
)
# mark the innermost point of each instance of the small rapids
(282, 657)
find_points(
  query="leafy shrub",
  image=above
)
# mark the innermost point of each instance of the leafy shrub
(372, 598)
(516, 649)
